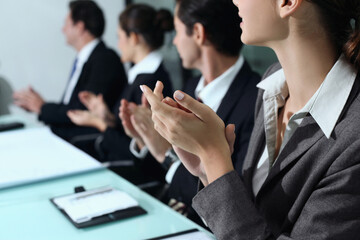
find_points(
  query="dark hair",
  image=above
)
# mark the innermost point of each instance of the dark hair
(220, 20)
(337, 16)
(90, 14)
(146, 21)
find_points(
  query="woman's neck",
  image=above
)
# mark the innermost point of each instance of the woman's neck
(140, 54)
(306, 62)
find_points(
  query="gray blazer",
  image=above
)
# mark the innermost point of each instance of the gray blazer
(311, 192)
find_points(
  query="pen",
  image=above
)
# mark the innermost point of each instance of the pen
(94, 193)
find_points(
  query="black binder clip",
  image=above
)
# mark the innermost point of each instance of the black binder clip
(79, 189)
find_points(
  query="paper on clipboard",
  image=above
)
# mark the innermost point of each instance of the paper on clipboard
(82, 207)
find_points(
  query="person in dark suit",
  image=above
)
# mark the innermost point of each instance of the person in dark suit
(97, 69)
(240, 97)
(227, 85)
(141, 34)
(301, 175)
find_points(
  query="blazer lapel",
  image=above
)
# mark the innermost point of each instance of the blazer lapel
(306, 136)
(234, 93)
(100, 47)
(257, 140)
(256, 147)
(190, 86)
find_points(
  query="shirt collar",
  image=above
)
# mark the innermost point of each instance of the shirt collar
(148, 65)
(334, 92)
(274, 86)
(86, 51)
(213, 93)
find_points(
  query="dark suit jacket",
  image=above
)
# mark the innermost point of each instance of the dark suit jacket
(102, 73)
(311, 192)
(115, 144)
(237, 107)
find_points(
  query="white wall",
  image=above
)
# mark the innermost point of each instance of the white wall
(33, 50)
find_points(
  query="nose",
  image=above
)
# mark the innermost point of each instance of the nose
(235, 3)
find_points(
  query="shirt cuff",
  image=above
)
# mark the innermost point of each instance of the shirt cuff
(171, 172)
(135, 151)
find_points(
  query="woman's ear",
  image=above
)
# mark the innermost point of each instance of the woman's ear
(134, 38)
(288, 7)
(199, 34)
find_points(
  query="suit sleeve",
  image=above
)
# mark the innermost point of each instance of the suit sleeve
(115, 144)
(55, 113)
(331, 212)
(102, 75)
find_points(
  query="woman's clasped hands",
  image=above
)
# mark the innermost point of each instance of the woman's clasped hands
(197, 134)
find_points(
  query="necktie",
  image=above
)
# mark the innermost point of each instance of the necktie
(73, 69)
(68, 83)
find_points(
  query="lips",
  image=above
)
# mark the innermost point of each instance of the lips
(241, 20)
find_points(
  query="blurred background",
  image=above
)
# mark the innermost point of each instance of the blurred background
(33, 50)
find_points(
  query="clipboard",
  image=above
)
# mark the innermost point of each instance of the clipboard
(73, 206)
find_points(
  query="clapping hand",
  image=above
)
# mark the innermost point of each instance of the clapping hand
(29, 100)
(194, 128)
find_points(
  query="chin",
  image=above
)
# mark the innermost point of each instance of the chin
(124, 59)
(260, 42)
(186, 65)
(245, 40)
(248, 41)
(189, 66)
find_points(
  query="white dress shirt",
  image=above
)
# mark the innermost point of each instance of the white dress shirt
(213, 93)
(148, 65)
(325, 106)
(82, 58)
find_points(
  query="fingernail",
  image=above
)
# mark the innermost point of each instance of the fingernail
(157, 83)
(141, 88)
(179, 95)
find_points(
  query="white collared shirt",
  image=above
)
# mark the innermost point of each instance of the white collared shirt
(325, 106)
(82, 58)
(146, 66)
(213, 93)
